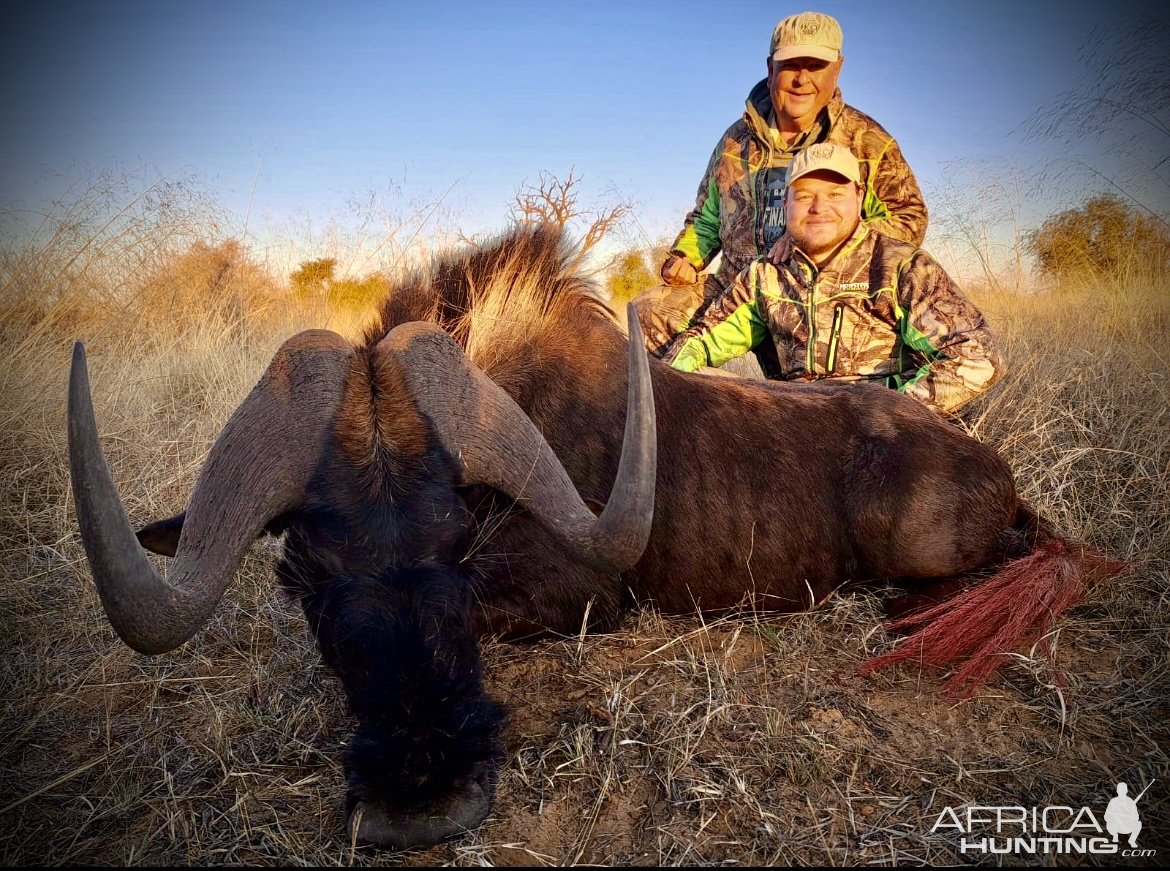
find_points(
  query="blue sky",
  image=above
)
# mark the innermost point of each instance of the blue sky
(318, 104)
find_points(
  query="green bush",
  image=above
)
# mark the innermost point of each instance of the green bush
(316, 280)
(629, 276)
(1104, 238)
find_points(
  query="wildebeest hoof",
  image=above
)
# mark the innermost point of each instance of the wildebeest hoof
(465, 808)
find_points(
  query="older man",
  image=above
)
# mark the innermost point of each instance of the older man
(739, 210)
(838, 298)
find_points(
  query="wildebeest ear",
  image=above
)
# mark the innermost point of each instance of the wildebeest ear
(162, 536)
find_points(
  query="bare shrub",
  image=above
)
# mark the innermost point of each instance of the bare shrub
(556, 202)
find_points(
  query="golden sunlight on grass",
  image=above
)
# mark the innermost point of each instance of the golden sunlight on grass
(670, 741)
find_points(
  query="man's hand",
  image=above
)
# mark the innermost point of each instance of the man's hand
(677, 271)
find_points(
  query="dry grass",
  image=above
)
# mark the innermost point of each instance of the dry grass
(672, 742)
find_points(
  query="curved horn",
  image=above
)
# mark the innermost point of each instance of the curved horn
(479, 424)
(257, 469)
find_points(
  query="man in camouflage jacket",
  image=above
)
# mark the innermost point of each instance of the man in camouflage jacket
(840, 299)
(739, 208)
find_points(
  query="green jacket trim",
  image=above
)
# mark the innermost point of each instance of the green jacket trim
(731, 338)
(914, 340)
(699, 241)
(739, 333)
(873, 207)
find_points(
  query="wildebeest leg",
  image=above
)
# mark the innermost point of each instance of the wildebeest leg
(421, 765)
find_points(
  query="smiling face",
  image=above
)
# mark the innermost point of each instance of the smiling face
(801, 87)
(821, 210)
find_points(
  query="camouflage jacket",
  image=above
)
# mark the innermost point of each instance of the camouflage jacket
(728, 214)
(881, 310)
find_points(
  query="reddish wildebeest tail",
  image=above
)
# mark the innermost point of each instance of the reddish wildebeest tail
(1015, 606)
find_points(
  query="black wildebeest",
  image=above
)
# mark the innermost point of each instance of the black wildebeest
(435, 482)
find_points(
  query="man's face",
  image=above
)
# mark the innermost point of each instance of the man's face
(821, 210)
(801, 87)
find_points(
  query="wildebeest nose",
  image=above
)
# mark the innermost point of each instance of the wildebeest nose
(464, 808)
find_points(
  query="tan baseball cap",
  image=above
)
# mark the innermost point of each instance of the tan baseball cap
(826, 156)
(808, 34)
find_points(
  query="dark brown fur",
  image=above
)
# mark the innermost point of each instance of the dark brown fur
(769, 492)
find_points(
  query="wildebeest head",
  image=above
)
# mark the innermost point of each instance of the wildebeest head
(357, 454)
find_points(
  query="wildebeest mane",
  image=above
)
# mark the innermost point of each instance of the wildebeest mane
(508, 302)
